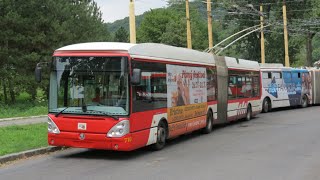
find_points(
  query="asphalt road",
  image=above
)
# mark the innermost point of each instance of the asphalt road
(279, 145)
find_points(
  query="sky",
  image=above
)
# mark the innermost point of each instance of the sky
(113, 10)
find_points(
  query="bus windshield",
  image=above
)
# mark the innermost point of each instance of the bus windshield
(89, 85)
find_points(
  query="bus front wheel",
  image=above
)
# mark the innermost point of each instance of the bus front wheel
(161, 136)
(266, 105)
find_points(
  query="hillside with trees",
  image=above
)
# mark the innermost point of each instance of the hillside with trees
(168, 26)
(32, 30)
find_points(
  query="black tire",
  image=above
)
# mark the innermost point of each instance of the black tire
(209, 126)
(304, 101)
(249, 113)
(266, 105)
(161, 136)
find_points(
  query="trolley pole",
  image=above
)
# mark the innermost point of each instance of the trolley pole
(285, 33)
(189, 42)
(132, 20)
(263, 60)
(209, 24)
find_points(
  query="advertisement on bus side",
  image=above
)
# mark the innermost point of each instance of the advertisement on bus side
(186, 92)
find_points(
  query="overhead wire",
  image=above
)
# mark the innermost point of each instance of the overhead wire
(294, 25)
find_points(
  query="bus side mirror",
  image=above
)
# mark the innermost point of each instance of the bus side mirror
(136, 76)
(37, 73)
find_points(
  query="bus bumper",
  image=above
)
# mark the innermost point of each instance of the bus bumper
(91, 141)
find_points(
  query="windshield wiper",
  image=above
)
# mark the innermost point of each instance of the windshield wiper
(61, 112)
(104, 113)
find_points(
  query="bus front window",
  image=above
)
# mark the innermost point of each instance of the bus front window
(89, 85)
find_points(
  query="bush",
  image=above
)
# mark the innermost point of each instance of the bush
(24, 106)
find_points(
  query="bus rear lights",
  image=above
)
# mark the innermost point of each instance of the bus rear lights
(51, 141)
(52, 127)
(120, 129)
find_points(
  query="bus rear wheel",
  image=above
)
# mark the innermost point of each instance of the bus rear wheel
(249, 113)
(161, 136)
(304, 101)
(209, 125)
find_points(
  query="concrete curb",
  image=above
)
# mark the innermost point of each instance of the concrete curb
(20, 118)
(25, 154)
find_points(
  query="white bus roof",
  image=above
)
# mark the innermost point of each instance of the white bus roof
(165, 52)
(312, 69)
(154, 51)
(271, 65)
(98, 46)
(150, 51)
(242, 64)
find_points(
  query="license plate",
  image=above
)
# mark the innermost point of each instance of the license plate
(82, 126)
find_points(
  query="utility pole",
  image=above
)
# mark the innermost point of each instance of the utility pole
(285, 33)
(132, 20)
(209, 24)
(189, 42)
(263, 60)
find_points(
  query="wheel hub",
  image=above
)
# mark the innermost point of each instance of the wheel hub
(161, 135)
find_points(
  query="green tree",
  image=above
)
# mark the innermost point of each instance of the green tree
(34, 29)
(175, 33)
(241, 16)
(168, 26)
(121, 35)
(311, 30)
(154, 24)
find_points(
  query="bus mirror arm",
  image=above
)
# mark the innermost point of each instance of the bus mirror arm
(37, 71)
(136, 76)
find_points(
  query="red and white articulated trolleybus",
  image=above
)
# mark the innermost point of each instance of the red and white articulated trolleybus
(120, 96)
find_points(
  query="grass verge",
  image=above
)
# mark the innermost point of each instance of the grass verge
(22, 110)
(24, 106)
(21, 138)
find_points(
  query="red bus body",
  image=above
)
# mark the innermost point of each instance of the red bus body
(90, 131)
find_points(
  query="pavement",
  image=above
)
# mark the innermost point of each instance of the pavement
(25, 154)
(23, 120)
(280, 145)
(29, 153)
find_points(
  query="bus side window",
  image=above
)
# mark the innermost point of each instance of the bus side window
(265, 75)
(247, 88)
(269, 75)
(256, 86)
(276, 75)
(211, 84)
(151, 94)
(232, 88)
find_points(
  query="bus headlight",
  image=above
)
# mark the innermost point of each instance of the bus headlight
(52, 127)
(120, 129)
